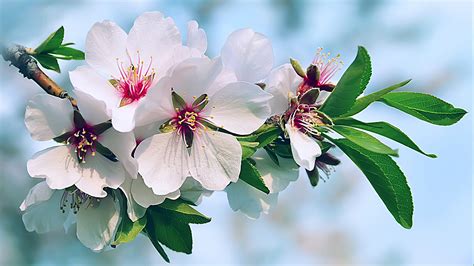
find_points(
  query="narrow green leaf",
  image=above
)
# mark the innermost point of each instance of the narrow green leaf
(53, 41)
(183, 212)
(272, 155)
(48, 61)
(169, 231)
(386, 178)
(425, 107)
(384, 129)
(350, 86)
(364, 140)
(102, 127)
(325, 146)
(268, 136)
(250, 175)
(63, 138)
(151, 235)
(248, 148)
(128, 230)
(68, 53)
(79, 121)
(365, 101)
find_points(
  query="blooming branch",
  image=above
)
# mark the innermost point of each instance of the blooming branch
(21, 57)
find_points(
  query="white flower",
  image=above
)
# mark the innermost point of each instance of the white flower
(47, 209)
(123, 68)
(293, 99)
(189, 148)
(251, 201)
(82, 161)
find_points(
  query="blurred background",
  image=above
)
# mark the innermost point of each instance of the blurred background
(341, 221)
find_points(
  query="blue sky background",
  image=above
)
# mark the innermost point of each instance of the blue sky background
(340, 221)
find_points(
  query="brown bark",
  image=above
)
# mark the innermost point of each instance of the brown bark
(20, 57)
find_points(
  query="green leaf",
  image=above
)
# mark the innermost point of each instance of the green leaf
(268, 136)
(102, 127)
(364, 140)
(169, 231)
(128, 230)
(250, 175)
(183, 212)
(350, 86)
(386, 178)
(248, 148)
(272, 155)
(48, 61)
(325, 146)
(68, 53)
(53, 41)
(425, 107)
(365, 101)
(151, 235)
(384, 129)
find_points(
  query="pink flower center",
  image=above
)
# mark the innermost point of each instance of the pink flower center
(83, 141)
(134, 81)
(306, 119)
(186, 121)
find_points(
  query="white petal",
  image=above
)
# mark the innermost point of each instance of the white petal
(305, 149)
(276, 178)
(192, 191)
(106, 43)
(123, 118)
(215, 159)
(239, 107)
(250, 201)
(99, 172)
(249, 54)
(134, 210)
(146, 131)
(154, 36)
(192, 78)
(45, 216)
(144, 195)
(122, 145)
(196, 37)
(87, 80)
(281, 83)
(58, 165)
(37, 194)
(163, 162)
(47, 117)
(94, 111)
(97, 223)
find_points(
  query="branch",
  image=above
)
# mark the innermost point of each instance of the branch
(20, 57)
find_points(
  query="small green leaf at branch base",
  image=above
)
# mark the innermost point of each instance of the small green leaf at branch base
(384, 129)
(352, 83)
(68, 53)
(250, 175)
(365, 101)
(425, 107)
(364, 140)
(48, 61)
(53, 41)
(385, 177)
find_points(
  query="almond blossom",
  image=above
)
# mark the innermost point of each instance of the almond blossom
(297, 100)
(91, 156)
(123, 68)
(193, 117)
(47, 209)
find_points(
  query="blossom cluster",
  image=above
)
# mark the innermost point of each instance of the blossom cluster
(157, 121)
